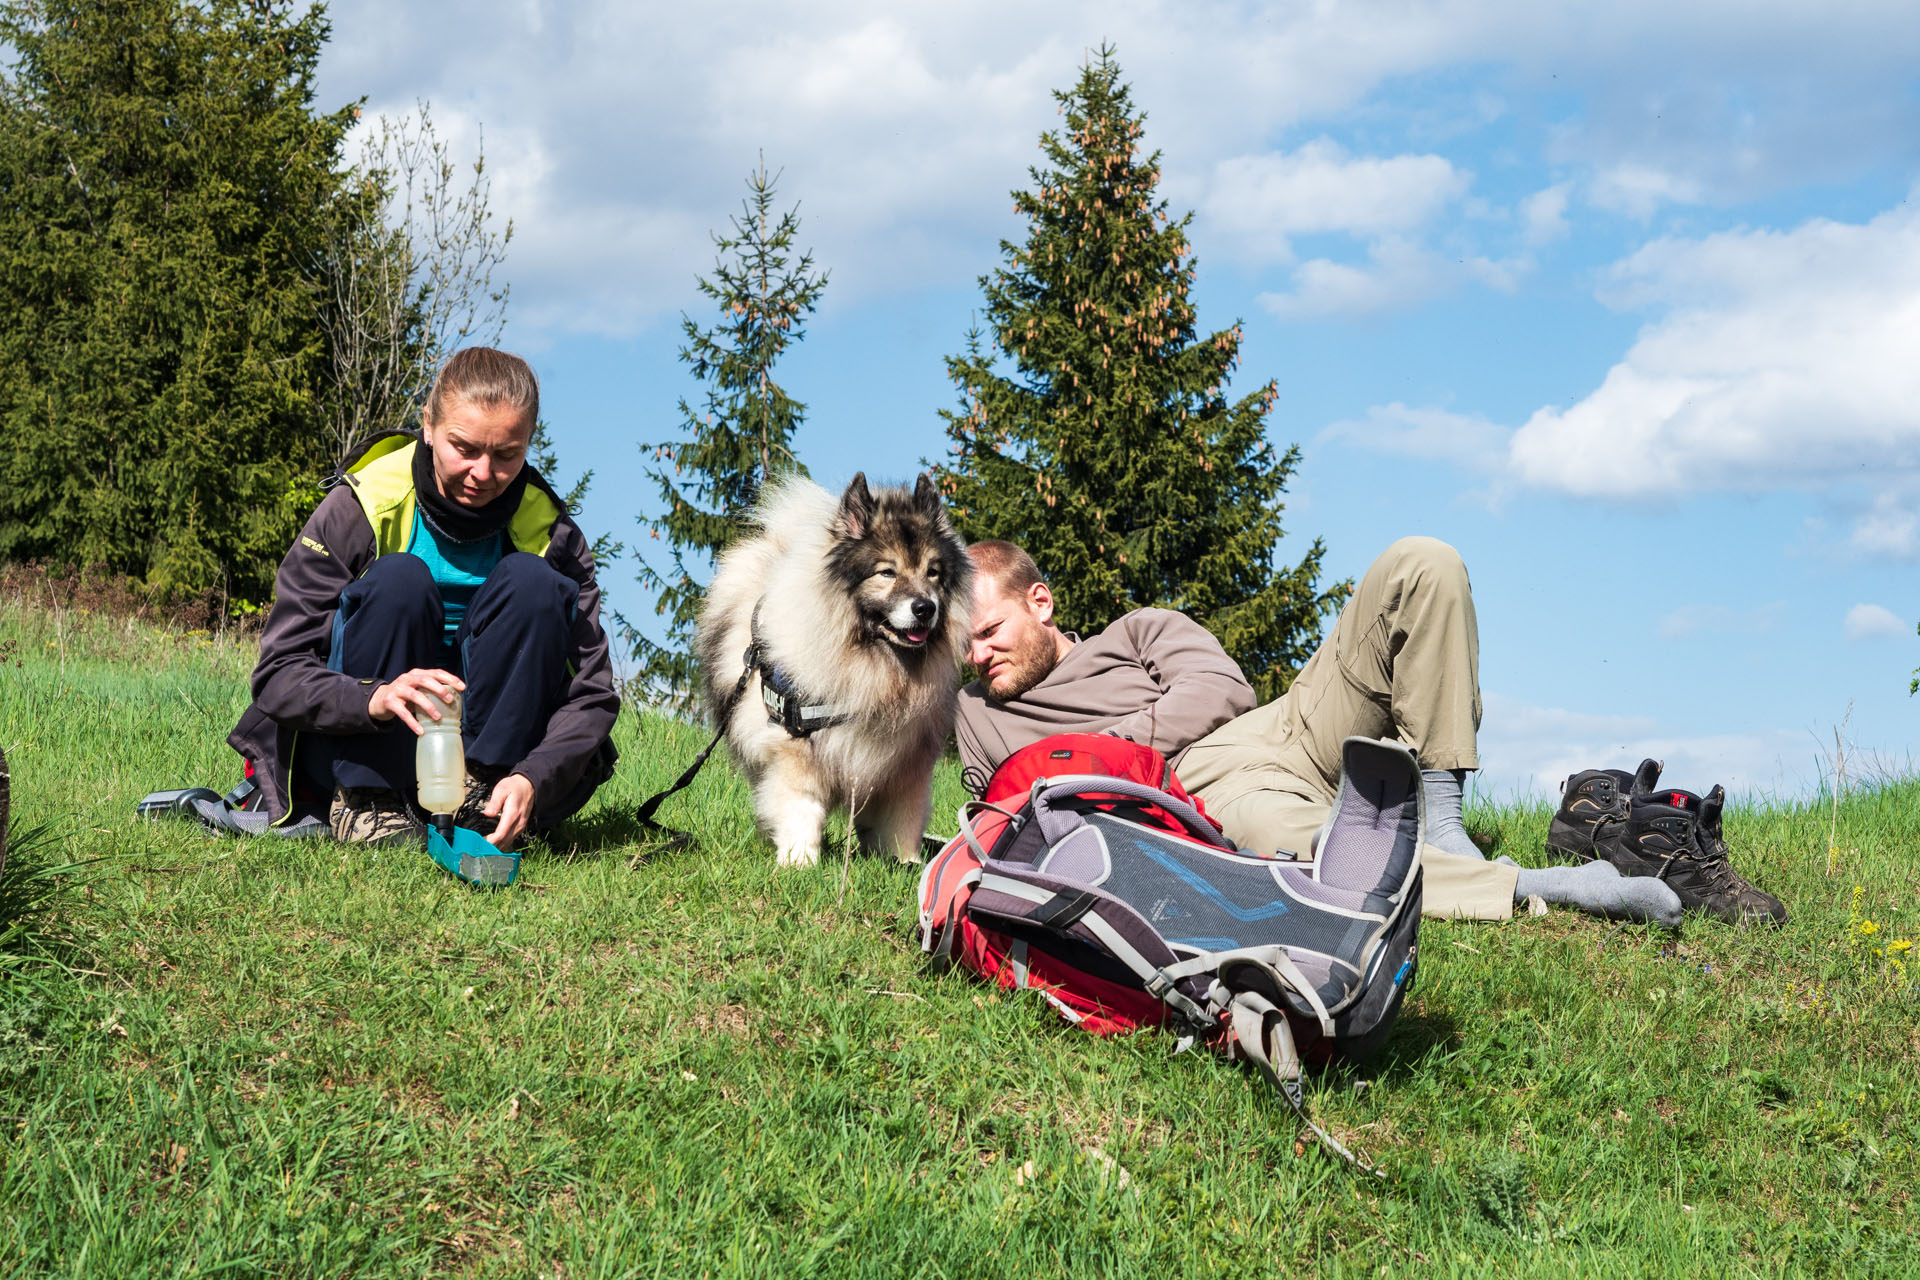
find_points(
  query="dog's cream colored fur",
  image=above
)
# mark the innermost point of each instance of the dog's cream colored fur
(879, 765)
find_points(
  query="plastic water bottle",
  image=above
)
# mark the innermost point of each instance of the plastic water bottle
(440, 762)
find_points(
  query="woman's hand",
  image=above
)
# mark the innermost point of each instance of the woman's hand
(422, 691)
(512, 803)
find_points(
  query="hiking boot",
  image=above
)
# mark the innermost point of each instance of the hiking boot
(1676, 836)
(1756, 904)
(1593, 810)
(472, 814)
(373, 815)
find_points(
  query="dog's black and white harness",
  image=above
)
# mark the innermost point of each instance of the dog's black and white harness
(786, 704)
(786, 707)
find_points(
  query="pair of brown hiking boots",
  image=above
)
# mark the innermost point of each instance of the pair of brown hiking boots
(1628, 820)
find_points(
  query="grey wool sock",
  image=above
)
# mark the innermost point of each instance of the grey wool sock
(1442, 789)
(1599, 889)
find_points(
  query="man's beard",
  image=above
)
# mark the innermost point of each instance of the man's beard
(1030, 664)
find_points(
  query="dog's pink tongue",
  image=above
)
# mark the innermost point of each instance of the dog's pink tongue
(919, 636)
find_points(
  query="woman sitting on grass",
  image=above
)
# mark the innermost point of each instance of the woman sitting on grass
(439, 565)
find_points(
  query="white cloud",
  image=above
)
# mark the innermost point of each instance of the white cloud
(901, 129)
(1543, 215)
(619, 138)
(1711, 619)
(1681, 124)
(1462, 439)
(1889, 527)
(1871, 621)
(1529, 751)
(1779, 358)
(1259, 200)
(1398, 274)
(1639, 190)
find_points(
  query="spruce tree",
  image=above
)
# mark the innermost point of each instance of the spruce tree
(163, 177)
(546, 460)
(1094, 427)
(739, 439)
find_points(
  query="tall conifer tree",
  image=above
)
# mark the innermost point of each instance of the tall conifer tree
(741, 438)
(163, 177)
(1094, 427)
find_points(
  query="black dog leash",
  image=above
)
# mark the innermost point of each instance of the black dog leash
(786, 707)
(653, 802)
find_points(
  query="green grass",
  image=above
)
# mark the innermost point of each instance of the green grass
(301, 1059)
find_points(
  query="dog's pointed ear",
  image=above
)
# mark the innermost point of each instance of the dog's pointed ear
(856, 507)
(926, 498)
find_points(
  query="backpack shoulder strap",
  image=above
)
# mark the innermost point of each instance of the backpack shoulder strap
(1055, 822)
(1059, 909)
(1274, 958)
(1262, 1036)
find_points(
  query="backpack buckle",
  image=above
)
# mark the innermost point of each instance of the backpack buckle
(1188, 1014)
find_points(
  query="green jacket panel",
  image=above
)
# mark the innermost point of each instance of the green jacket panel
(383, 482)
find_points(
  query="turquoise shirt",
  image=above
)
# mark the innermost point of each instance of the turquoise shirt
(458, 568)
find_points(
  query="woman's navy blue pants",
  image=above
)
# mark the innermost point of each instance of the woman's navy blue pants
(511, 650)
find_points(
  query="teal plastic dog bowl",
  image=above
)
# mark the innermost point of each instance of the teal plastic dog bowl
(473, 858)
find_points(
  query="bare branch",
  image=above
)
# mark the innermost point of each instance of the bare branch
(406, 277)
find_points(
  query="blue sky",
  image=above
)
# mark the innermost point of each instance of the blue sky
(1622, 300)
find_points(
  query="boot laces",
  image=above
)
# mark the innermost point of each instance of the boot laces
(1714, 860)
(1693, 851)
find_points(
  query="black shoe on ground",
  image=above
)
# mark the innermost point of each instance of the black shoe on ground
(1593, 809)
(1756, 904)
(1676, 836)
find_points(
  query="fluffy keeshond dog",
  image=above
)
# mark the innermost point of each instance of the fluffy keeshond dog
(855, 609)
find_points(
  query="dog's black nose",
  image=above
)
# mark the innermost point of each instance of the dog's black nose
(923, 611)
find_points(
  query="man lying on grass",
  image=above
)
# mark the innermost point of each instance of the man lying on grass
(1402, 662)
(438, 566)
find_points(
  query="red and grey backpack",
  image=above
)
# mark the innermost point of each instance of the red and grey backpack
(1109, 891)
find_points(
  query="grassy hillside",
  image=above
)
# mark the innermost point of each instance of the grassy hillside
(304, 1059)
